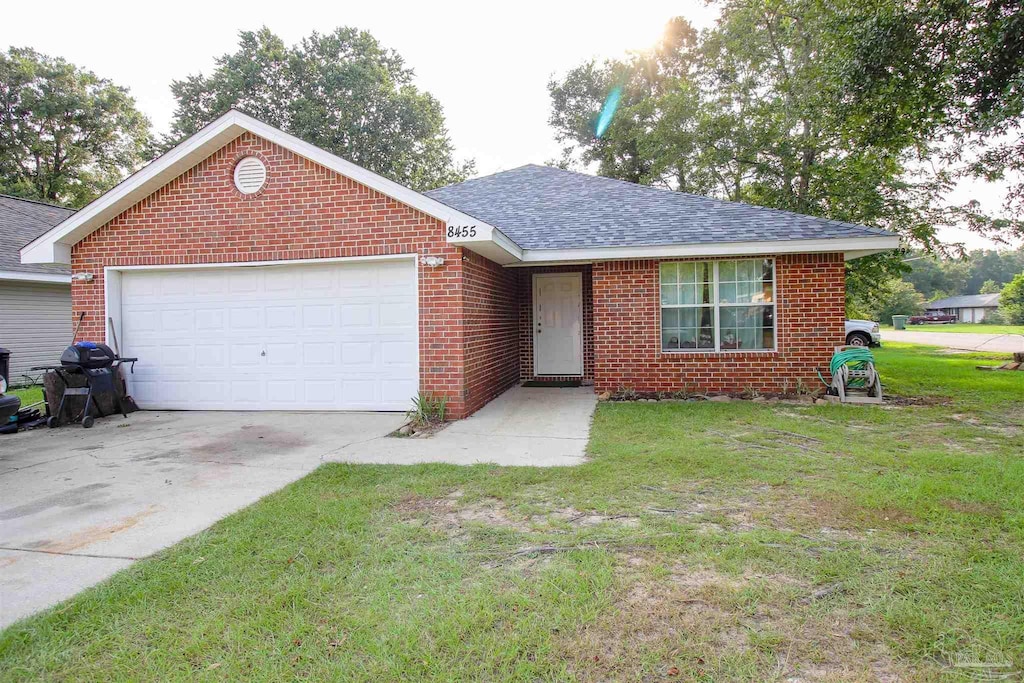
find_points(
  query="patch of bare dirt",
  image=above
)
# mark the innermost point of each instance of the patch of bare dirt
(762, 508)
(687, 624)
(449, 516)
(577, 518)
(973, 507)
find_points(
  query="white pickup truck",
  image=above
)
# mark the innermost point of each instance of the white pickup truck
(863, 333)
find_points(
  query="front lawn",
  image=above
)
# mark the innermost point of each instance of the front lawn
(975, 328)
(702, 541)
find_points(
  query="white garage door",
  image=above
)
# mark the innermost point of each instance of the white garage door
(337, 336)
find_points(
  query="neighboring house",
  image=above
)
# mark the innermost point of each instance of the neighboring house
(970, 308)
(35, 299)
(248, 269)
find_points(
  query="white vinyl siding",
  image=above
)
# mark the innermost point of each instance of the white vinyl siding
(35, 325)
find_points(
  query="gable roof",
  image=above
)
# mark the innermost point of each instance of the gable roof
(966, 301)
(541, 207)
(55, 245)
(21, 221)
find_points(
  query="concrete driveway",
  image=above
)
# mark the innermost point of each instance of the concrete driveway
(964, 341)
(77, 505)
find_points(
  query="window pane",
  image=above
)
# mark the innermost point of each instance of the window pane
(669, 295)
(747, 327)
(669, 317)
(688, 294)
(670, 340)
(705, 272)
(727, 292)
(707, 338)
(669, 273)
(686, 271)
(706, 291)
(727, 271)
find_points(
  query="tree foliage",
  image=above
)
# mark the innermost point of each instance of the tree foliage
(1011, 301)
(937, 277)
(341, 91)
(835, 108)
(66, 135)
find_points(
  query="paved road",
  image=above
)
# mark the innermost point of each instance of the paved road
(968, 341)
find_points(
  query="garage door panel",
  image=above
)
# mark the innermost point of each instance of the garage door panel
(338, 336)
(246, 318)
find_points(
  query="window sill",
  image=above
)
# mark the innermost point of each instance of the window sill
(713, 352)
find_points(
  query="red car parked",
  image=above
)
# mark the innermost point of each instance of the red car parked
(930, 317)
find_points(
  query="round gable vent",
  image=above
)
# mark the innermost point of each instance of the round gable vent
(250, 174)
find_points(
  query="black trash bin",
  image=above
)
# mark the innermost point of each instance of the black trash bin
(5, 364)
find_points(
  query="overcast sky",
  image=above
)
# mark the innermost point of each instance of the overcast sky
(488, 63)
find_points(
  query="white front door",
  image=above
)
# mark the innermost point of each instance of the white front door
(558, 324)
(313, 336)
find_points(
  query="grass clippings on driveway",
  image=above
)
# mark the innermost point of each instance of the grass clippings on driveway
(702, 541)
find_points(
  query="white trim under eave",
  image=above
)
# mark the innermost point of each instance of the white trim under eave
(851, 247)
(17, 276)
(54, 246)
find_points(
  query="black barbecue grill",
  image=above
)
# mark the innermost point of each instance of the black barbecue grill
(99, 364)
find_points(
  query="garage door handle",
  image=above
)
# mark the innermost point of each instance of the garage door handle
(263, 353)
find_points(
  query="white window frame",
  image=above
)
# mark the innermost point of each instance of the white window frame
(716, 306)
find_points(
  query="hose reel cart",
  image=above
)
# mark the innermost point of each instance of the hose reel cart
(854, 377)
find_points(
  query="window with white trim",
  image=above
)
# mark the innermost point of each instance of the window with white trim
(718, 305)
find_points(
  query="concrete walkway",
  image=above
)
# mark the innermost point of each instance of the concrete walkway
(965, 341)
(535, 427)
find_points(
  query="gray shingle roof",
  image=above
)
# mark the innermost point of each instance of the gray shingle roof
(966, 301)
(21, 221)
(541, 207)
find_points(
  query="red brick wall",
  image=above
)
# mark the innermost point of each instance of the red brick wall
(526, 320)
(305, 211)
(491, 315)
(810, 309)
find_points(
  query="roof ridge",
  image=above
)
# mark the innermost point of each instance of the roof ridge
(657, 188)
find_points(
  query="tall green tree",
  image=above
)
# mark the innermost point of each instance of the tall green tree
(341, 91)
(801, 105)
(66, 135)
(1011, 301)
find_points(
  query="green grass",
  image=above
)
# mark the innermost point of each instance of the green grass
(28, 395)
(702, 541)
(976, 328)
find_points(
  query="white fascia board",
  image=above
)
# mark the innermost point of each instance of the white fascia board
(55, 278)
(484, 239)
(55, 245)
(853, 247)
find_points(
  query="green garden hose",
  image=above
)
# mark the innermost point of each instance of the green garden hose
(856, 358)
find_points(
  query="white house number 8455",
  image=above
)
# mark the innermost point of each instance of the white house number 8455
(462, 231)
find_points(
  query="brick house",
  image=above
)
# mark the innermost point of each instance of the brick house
(249, 270)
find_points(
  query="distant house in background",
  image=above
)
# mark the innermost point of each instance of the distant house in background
(35, 300)
(970, 308)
